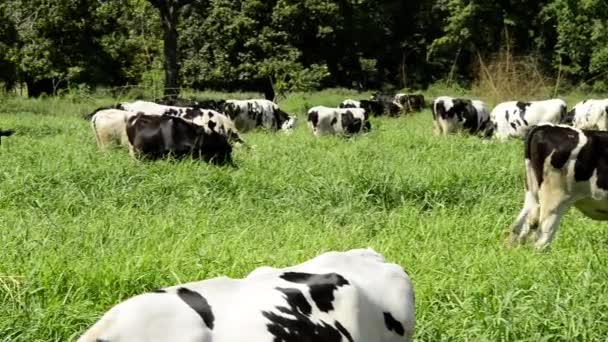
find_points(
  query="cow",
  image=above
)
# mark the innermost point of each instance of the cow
(410, 102)
(213, 104)
(109, 126)
(151, 108)
(514, 119)
(337, 296)
(251, 114)
(6, 133)
(158, 136)
(451, 115)
(374, 108)
(564, 166)
(345, 121)
(221, 122)
(589, 114)
(388, 102)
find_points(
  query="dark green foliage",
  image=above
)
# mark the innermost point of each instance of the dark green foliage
(293, 45)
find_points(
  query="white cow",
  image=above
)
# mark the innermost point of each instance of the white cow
(250, 114)
(325, 120)
(589, 114)
(514, 119)
(336, 296)
(451, 115)
(109, 126)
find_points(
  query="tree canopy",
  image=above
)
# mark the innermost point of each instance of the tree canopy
(293, 44)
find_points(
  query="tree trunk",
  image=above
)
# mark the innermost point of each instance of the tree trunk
(169, 19)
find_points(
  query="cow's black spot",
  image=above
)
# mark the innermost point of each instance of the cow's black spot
(211, 125)
(334, 121)
(392, 324)
(518, 123)
(522, 106)
(593, 156)
(210, 114)
(295, 299)
(507, 115)
(322, 286)
(542, 141)
(314, 118)
(513, 125)
(292, 323)
(198, 303)
(159, 291)
(344, 332)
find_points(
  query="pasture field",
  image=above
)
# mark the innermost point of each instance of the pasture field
(81, 230)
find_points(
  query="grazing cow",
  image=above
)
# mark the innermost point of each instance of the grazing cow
(214, 121)
(565, 166)
(589, 114)
(410, 102)
(347, 121)
(250, 114)
(334, 297)
(158, 136)
(151, 108)
(6, 133)
(388, 102)
(221, 122)
(109, 126)
(451, 115)
(515, 118)
(350, 103)
(213, 104)
(374, 108)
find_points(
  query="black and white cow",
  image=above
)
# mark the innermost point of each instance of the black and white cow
(250, 114)
(158, 136)
(451, 115)
(334, 297)
(513, 119)
(346, 121)
(390, 105)
(410, 102)
(213, 104)
(374, 108)
(220, 122)
(110, 126)
(6, 133)
(151, 108)
(589, 114)
(565, 166)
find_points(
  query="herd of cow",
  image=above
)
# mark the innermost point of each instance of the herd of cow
(208, 129)
(341, 296)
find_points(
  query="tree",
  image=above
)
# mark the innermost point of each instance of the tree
(169, 13)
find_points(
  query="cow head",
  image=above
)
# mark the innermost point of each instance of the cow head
(487, 129)
(232, 109)
(568, 119)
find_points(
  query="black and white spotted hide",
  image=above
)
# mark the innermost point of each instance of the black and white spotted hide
(564, 166)
(334, 297)
(343, 121)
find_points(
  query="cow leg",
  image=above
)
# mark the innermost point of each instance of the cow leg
(436, 128)
(553, 205)
(520, 229)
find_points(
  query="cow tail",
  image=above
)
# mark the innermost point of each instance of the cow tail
(94, 126)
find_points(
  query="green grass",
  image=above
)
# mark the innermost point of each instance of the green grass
(81, 230)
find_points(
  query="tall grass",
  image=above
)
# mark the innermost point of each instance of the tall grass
(82, 230)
